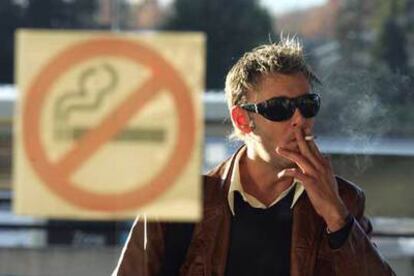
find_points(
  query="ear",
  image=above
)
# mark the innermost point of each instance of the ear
(240, 119)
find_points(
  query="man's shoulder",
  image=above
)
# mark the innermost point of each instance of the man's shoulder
(220, 169)
(347, 187)
(214, 181)
(352, 195)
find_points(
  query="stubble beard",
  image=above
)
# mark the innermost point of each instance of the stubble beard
(281, 163)
(266, 153)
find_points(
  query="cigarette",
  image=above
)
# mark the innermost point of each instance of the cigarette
(310, 138)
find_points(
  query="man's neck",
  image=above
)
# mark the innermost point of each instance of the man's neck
(259, 179)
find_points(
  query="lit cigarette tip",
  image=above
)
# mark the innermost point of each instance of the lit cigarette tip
(310, 138)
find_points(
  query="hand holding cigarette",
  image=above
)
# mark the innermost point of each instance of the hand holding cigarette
(315, 172)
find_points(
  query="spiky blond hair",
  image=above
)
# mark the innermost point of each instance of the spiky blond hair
(284, 57)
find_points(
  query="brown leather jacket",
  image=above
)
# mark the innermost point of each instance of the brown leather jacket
(207, 252)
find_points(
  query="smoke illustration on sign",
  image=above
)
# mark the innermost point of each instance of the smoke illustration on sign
(95, 84)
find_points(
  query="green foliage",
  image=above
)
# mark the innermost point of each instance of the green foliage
(348, 31)
(60, 14)
(390, 46)
(67, 14)
(232, 28)
(385, 8)
(10, 16)
(370, 89)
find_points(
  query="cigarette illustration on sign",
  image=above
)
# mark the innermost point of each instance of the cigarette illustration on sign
(94, 85)
(109, 126)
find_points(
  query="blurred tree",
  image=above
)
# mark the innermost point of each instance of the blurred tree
(383, 8)
(60, 14)
(232, 27)
(409, 15)
(68, 14)
(390, 45)
(44, 14)
(350, 29)
(10, 18)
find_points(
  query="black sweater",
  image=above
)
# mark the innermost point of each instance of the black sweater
(260, 239)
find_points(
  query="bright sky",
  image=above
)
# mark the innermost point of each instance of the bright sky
(279, 6)
(282, 6)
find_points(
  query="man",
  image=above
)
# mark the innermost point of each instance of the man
(275, 207)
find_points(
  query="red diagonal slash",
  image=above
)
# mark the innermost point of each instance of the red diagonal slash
(109, 127)
(56, 175)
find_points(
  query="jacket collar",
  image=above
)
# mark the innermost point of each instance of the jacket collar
(307, 226)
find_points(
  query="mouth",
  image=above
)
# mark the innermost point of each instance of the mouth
(292, 144)
(307, 136)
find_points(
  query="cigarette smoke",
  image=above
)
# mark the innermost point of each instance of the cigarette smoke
(354, 109)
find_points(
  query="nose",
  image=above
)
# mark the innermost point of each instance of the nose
(297, 119)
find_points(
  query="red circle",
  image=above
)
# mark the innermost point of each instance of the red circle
(164, 73)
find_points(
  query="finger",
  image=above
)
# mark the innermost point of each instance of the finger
(324, 159)
(294, 173)
(328, 161)
(305, 149)
(315, 149)
(299, 159)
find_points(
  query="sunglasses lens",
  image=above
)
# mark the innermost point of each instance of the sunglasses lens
(282, 108)
(309, 105)
(279, 109)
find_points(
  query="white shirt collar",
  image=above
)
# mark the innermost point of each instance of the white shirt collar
(235, 185)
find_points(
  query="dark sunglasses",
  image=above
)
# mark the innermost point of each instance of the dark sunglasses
(282, 108)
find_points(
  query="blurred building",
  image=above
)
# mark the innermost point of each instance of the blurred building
(311, 23)
(131, 14)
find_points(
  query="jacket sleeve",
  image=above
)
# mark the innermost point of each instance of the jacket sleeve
(358, 256)
(143, 250)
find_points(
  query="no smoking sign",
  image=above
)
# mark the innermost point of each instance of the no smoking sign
(108, 125)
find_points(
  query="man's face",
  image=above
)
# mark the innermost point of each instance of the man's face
(267, 135)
